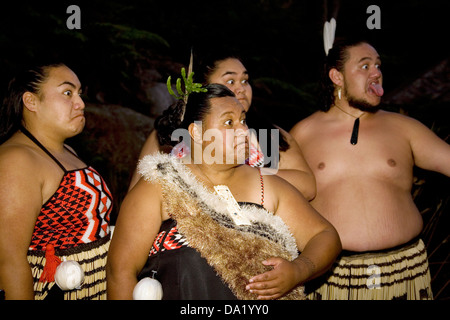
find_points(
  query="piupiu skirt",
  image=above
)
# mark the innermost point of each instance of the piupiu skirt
(92, 258)
(399, 273)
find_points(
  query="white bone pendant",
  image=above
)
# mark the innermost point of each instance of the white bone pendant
(232, 206)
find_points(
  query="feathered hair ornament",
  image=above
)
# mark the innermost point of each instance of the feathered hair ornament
(329, 30)
(189, 85)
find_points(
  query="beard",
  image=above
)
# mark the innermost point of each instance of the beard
(362, 104)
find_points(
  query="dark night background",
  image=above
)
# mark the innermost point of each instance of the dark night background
(125, 51)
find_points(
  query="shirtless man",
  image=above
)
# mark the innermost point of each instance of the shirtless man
(364, 178)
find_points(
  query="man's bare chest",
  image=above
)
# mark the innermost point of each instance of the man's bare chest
(382, 154)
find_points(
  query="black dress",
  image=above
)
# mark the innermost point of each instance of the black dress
(182, 271)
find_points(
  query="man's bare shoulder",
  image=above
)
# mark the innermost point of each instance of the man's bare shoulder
(394, 116)
(307, 124)
(407, 123)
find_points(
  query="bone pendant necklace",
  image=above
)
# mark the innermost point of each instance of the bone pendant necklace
(355, 131)
(233, 208)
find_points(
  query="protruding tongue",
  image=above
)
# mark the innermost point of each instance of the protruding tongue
(377, 89)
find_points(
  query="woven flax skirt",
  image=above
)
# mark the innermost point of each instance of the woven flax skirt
(395, 274)
(92, 258)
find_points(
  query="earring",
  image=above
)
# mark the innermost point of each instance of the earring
(339, 93)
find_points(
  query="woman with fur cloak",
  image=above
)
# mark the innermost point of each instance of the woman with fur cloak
(207, 226)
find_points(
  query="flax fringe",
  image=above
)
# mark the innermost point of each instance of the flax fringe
(399, 274)
(93, 263)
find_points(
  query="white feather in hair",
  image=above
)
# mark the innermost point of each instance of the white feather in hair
(329, 30)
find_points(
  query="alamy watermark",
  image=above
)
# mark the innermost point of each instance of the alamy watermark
(233, 147)
(374, 21)
(374, 280)
(74, 20)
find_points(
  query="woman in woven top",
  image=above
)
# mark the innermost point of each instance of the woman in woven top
(53, 206)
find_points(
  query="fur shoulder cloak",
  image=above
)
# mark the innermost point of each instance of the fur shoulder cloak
(234, 251)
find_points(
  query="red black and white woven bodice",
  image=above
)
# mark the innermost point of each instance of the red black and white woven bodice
(77, 213)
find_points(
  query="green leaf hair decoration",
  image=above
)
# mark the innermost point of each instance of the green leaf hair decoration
(189, 86)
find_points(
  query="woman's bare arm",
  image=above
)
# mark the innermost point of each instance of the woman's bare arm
(316, 238)
(137, 225)
(21, 201)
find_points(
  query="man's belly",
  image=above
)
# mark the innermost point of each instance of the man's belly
(369, 215)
